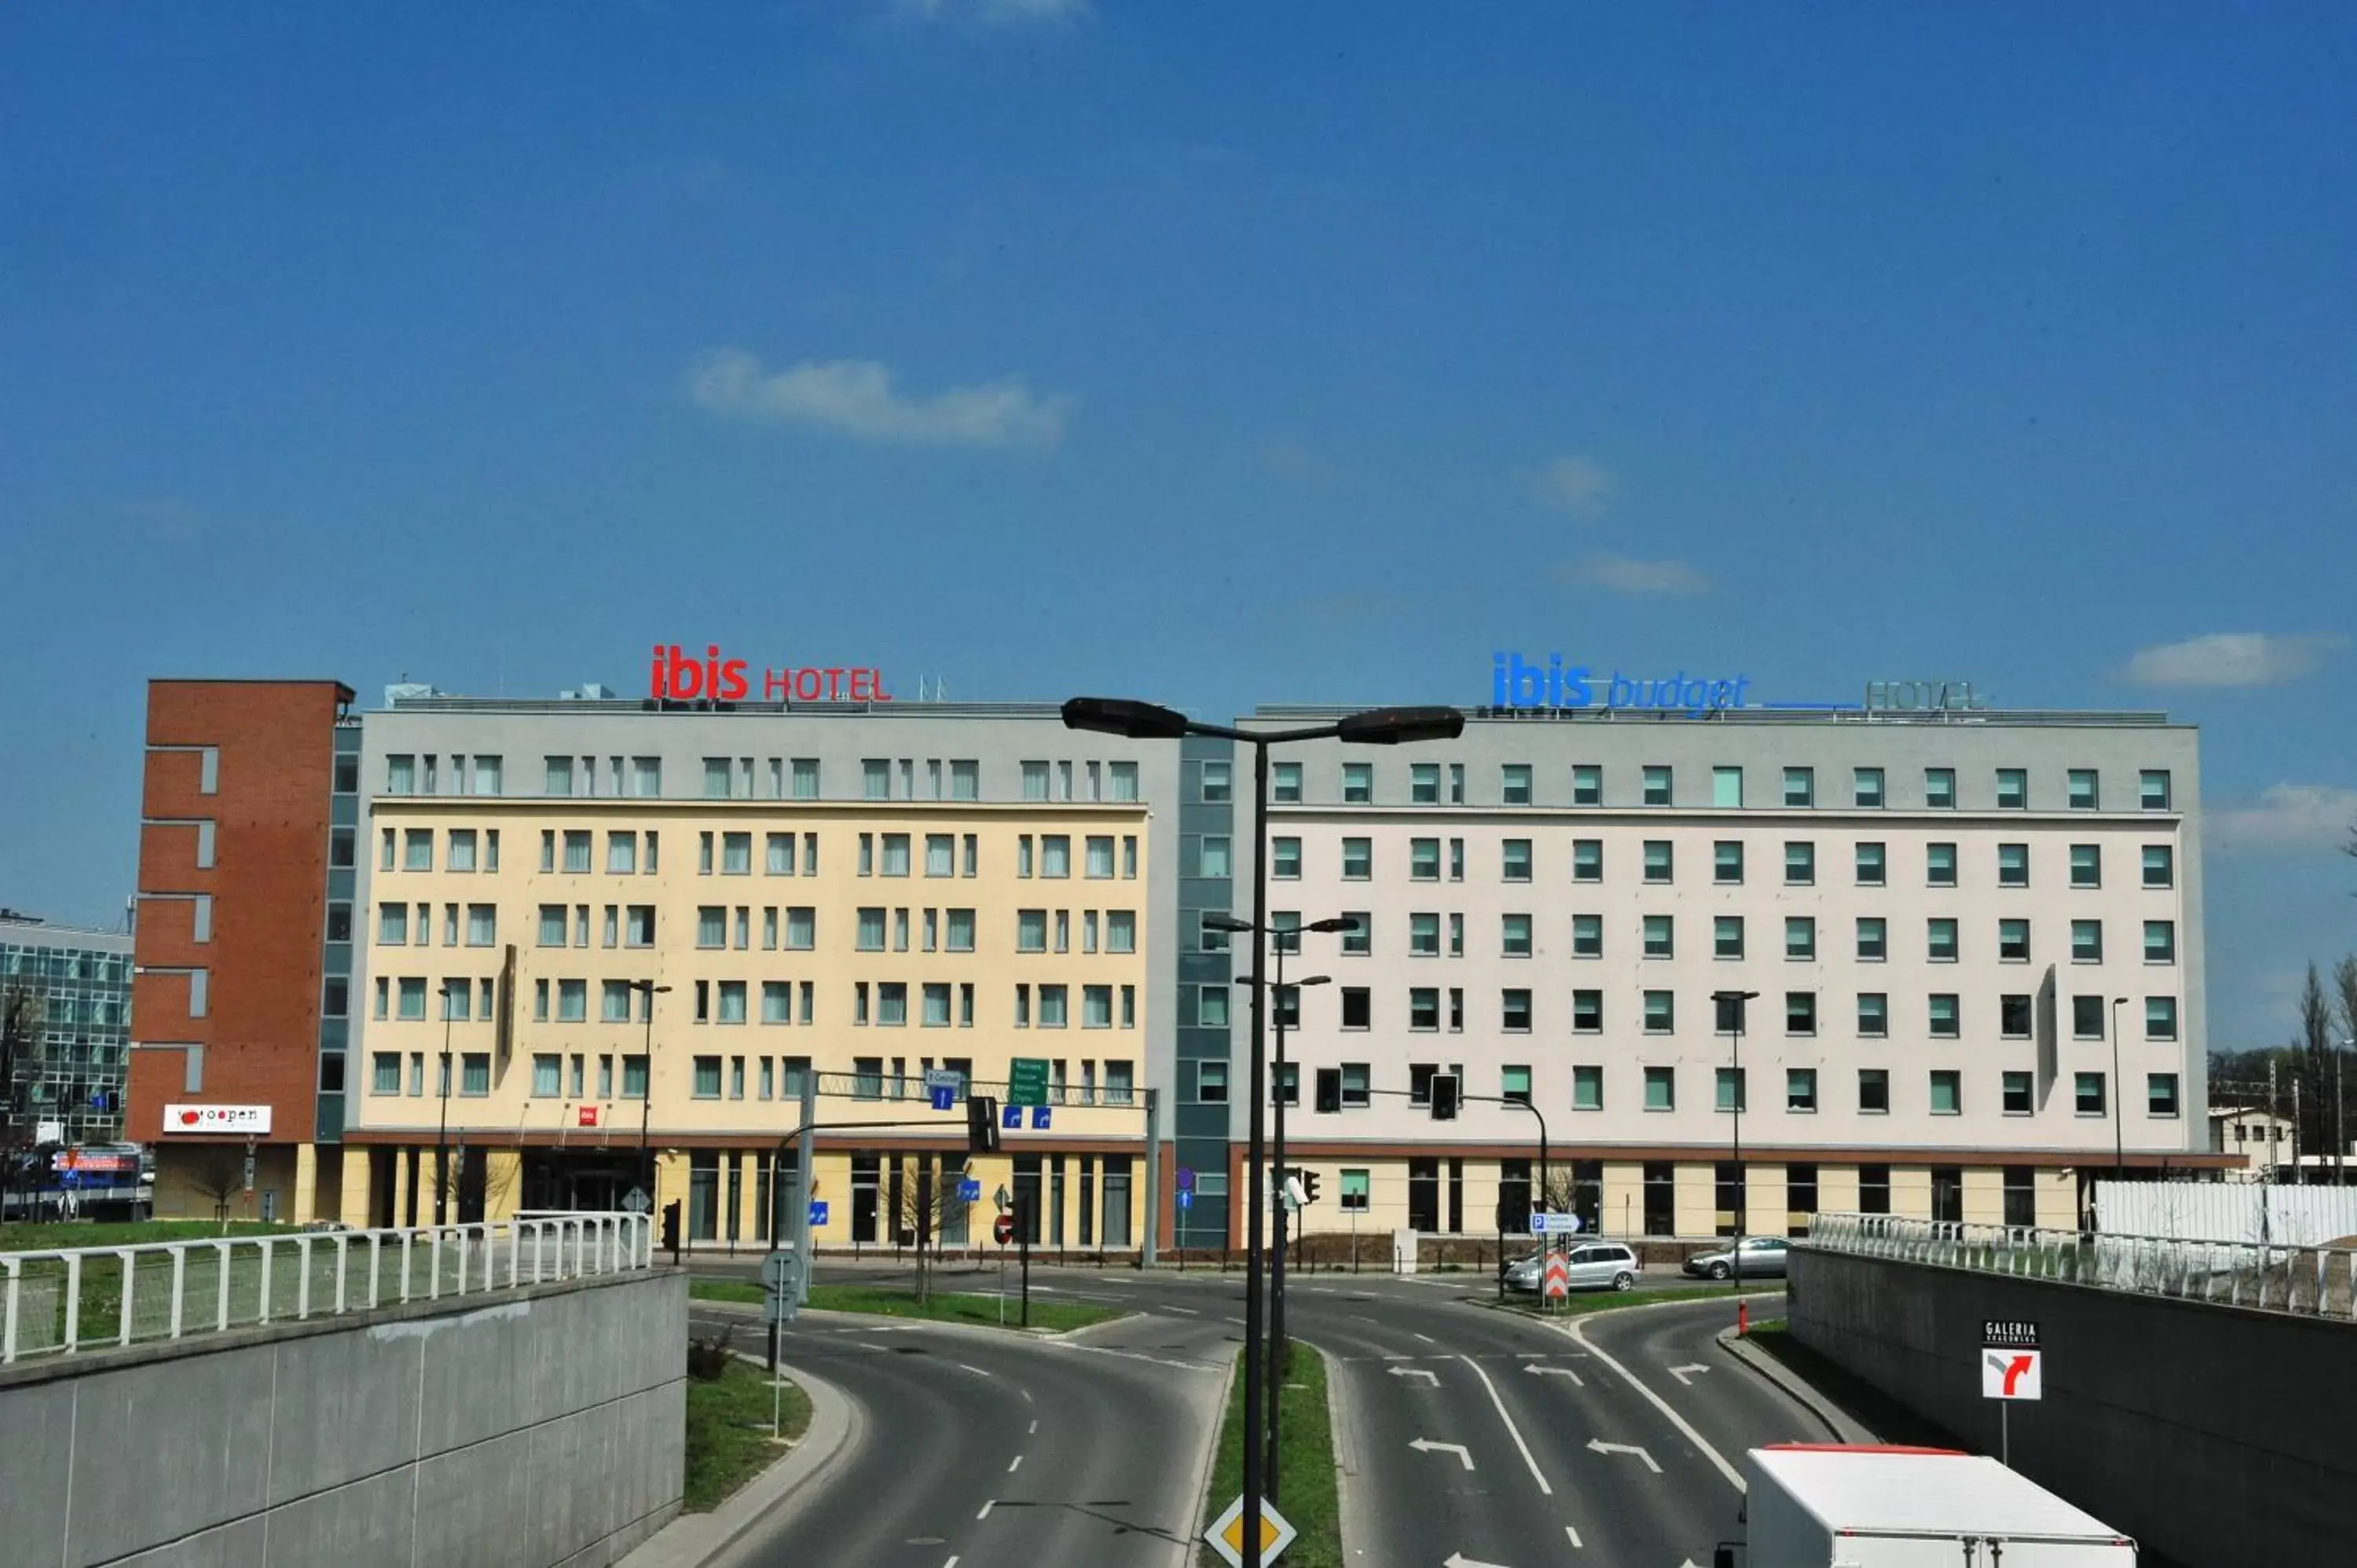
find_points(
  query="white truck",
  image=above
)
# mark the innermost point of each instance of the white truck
(1834, 1506)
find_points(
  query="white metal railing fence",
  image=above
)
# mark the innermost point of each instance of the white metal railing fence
(61, 1301)
(2317, 1281)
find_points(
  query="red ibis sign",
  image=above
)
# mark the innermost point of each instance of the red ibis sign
(588, 1116)
(677, 675)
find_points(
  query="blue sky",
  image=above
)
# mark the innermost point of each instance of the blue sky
(1220, 354)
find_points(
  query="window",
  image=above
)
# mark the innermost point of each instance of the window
(1212, 858)
(1358, 859)
(1943, 1015)
(2086, 941)
(1515, 784)
(1586, 1011)
(2082, 789)
(1423, 1007)
(1872, 1014)
(1657, 784)
(1727, 936)
(1359, 941)
(385, 1066)
(2012, 789)
(393, 925)
(1799, 1013)
(572, 1000)
(483, 926)
(2160, 941)
(2087, 1017)
(1729, 1096)
(1423, 783)
(1212, 1082)
(1358, 1008)
(707, 1078)
(418, 850)
(1873, 1094)
(1285, 859)
(1354, 1091)
(732, 1000)
(1947, 1093)
(475, 1073)
(1800, 937)
(1588, 860)
(1513, 1011)
(1801, 1088)
(1800, 787)
(1284, 783)
(2013, 941)
(1799, 863)
(2087, 1093)
(1587, 784)
(1216, 782)
(1423, 860)
(401, 775)
(1939, 788)
(1661, 1012)
(1660, 937)
(1588, 935)
(2012, 865)
(1516, 860)
(1865, 787)
(776, 1001)
(1660, 1089)
(1940, 865)
(1052, 1007)
(1940, 939)
(1873, 939)
(2152, 789)
(1659, 864)
(2160, 866)
(2014, 1088)
(1515, 935)
(2160, 1094)
(1727, 863)
(1357, 783)
(736, 855)
(1587, 1086)
(1211, 1007)
(2161, 1017)
(1726, 787)
(2086, 865)
(1055, 855)
(1121, 930)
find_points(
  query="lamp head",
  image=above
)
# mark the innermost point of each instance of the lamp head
(1400, 726)
(1124, 717)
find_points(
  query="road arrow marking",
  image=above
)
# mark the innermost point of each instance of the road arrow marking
(1458, 1560)
(1417, 1372)
(1535, 1370)
(1427, 1446)
(1602, 1447)
(1685, 1374)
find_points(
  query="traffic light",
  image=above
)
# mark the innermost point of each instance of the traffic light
(1308, 1187)
(1444, 1097)
(981, 1125)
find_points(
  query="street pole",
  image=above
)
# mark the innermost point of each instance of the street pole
(1737, 1001)
(1255, 1158)
(2119, 1133)
(647, 1099)
(442, 1135)
(1277, 1358)
(1153, 1174)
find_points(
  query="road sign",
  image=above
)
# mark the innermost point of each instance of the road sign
(1226, 1535)
(818, 1211)
(969, 1190)
(1002, 1198)
(637, 1201)
(2013, 1374)
(1010, 1116)
(943, 1098)
(1027, 1080)
(1186, 1197)
(1546, 1223)
(1558, 1277)
(944, 1078)
(1185, 1179)
(1038, 1119)
(1002, 1230)
(779, 1270)
(2009, 1334)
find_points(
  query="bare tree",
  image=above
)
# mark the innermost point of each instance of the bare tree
(20, 1032)
(2315, 1045)
(218, 1173)
(928, 1206)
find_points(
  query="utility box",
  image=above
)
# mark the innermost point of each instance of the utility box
(1829, 1506)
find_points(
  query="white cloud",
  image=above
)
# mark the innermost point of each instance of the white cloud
(2232, 658)
(855, 398)
(2286, 817)
(1620, 575)
(1576, 483)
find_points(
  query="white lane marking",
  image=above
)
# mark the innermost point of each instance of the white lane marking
(1361, 1318)
(1734, 1476)
(1184, 1311)
(1026, 1396)
(1513, 1431)
(1015, 1463)
(1685, 1374)
(950, 1564)
(1425, 1337)
(1427, 1446)
(986, 1508)
(1600, 1446)
(1458, 1560)
(1398, 1358)
(1566, 1530)
(1415, 1372)
(1034, 1423)
(1237, 1321)
(1534, 1369)
(967, 1367)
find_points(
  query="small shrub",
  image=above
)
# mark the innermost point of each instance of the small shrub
(708, 1358)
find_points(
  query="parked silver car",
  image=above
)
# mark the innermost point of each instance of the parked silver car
(1763, 1259)
(1591, 1265)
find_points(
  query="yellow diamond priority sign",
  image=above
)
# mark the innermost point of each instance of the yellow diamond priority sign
(1227, 1534)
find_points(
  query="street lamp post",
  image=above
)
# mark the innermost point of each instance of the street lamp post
(1733, 1003)
(648, 991)
(1149, 721)
(2119, 1134)
(441, 1137)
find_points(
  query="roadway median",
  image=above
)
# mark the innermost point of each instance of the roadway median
(1306, 1493)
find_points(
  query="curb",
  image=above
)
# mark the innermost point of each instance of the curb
(1837, 1421)
(1196, 1544)
(1346, 1462)
(836, 1429)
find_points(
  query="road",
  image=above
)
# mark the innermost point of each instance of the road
(1468, 1436)
(985, 1449)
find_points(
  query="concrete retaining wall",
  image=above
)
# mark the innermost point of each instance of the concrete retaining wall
(2215, 1435)
(528, 1431)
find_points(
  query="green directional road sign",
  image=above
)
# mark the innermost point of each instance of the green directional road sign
(1027, 1080)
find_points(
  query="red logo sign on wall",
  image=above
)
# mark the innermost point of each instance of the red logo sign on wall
(588, 1116)
(247, 1119)
(679, 676)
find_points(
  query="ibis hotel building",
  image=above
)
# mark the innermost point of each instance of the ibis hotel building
(1970, 940)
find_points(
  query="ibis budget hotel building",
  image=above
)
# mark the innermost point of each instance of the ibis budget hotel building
(607, 941)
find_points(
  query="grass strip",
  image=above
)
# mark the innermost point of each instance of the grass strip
(743, 1291)
(1605, 1301)
(941, 1306)
(728, 1440)
(28, 1237)
(1306, 1494)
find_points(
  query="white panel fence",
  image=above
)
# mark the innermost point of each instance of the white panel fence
(2244, 1211)
(59, 1301)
